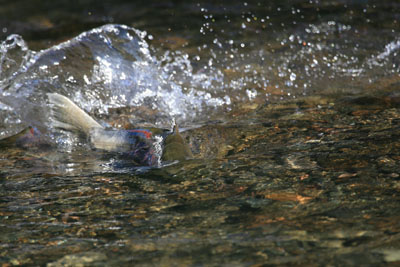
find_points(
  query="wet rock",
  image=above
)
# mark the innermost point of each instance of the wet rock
(80, 259)
(391, 255)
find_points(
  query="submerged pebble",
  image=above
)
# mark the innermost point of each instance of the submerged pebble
(291, 110)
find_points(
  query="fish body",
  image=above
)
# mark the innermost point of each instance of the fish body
(137, 144)
(143, 146)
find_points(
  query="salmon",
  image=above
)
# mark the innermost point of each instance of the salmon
(144, 146)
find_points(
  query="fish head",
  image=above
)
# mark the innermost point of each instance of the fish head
(175, 147)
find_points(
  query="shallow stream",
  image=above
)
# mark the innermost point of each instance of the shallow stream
(291, 110)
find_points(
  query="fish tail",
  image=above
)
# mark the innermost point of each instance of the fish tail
(68, 116)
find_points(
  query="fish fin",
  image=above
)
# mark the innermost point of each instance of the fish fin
(68, 116)
(175, 130)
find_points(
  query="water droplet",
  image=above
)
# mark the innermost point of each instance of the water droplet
(86, 79)
(251, 94)
(292, 76)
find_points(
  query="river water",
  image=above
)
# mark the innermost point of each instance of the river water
(291, 110)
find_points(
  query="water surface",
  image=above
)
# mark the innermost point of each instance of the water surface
(291, 110)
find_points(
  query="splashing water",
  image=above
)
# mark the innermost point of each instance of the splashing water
(104, 68)
(113, 66)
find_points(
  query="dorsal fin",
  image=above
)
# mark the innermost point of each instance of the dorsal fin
(176, 129)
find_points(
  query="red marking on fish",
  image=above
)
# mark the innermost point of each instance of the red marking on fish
(145, 132)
